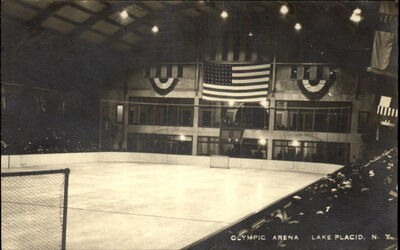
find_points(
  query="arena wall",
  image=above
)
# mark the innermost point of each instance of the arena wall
(64, 159)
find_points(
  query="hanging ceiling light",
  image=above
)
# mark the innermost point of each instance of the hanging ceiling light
(124, 14)
(357, 11)
(284, 10)
(297, 26)
(355, 18)
(154, 29)
(224, 14)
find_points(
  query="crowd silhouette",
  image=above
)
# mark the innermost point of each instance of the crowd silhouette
(359, 198)
(47, 141)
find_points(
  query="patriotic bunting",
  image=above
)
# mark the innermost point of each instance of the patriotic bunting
(163, 85)
(164, 78)
(314, 81)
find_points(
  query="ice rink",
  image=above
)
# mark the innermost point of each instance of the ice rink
(164, 206)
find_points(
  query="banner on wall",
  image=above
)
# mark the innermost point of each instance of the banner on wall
(164, 78)
(385, 48)
(314, 81)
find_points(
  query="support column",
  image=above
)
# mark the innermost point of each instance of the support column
(195, 125)
(271, 126)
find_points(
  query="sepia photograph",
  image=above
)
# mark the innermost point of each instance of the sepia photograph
(199, 125)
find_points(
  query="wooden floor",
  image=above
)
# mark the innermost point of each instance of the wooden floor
(162, 206)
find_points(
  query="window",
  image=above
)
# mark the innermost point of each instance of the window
(146, 114)
(313, 116)
(207, 145)
(326, 152)
(253, 117)
(250, 148)
(173, 112)
(161, 111)
(362, 122)
(162, 144)
(247, 116)
(209, 116)
(161, 115)
(133, 114)
(177, 144)
(286, 150)
(119, 113)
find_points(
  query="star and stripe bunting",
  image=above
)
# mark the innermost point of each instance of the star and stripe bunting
(163, 78)
(236, 82)
(314, 81)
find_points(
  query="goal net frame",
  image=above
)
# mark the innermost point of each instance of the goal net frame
(63, 201)
(219, 161)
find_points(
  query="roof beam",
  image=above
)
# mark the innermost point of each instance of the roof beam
(95, 17)
(45, 13)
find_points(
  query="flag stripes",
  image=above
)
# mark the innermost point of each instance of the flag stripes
(234, 82)
(387, 111)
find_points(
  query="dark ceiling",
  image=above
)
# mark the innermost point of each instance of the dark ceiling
(91, 40)
(325, 24)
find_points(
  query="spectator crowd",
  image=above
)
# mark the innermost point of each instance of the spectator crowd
(358, 200)
(48, 141)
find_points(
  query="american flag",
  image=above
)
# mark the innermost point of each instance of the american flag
(236, 82)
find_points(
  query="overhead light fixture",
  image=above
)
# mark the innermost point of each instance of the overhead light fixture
(250, 34)
(357, 11)
(124, 14)
(262, 142)
(154, 29)
(355, 18)
(297, 26)
(231, 103)
(182, 137)
(224, 14)
(284, 9)
(295, 143)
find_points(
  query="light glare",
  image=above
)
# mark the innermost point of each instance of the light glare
(224, 14)
(154, 29)
(124, 14)
(284, 10)
(262, 142)
(295, 143)
(355, 18)
(357, 11)
(297, 26)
